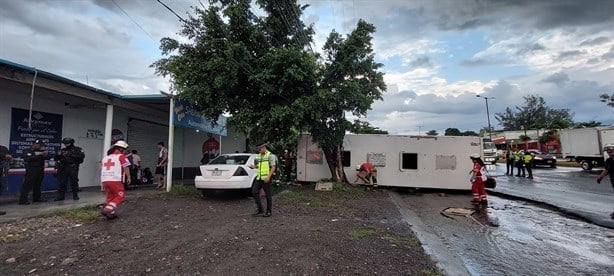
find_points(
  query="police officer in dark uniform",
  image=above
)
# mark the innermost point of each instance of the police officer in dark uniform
(34, 159)
(67, 165)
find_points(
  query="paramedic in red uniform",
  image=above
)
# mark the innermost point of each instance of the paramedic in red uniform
(115, 170)
(478, 177)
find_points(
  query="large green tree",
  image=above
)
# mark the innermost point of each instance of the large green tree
(350, 81)
(432, 132)
(362, 127)
(534, 114)
(260, 71)
(451, 131)
(254, 68)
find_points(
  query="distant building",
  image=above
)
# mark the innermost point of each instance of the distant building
(513, 138)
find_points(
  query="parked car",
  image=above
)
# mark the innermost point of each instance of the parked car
(227, 172)
(543, 159)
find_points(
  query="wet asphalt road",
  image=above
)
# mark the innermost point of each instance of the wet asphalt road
(571, 189)
(530, 240)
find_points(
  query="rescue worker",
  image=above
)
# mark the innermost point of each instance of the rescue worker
(67, 165)
(34, 159)
(608, 168)
(528, 164)
(114, 171)
(518, 159)
(367, 173)
(509, 161)
(478, 177)
(265, 163)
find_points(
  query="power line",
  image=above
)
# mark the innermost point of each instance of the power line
(172, 11)
(133, 21)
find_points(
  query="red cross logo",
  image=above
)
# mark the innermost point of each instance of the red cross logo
(109, 164)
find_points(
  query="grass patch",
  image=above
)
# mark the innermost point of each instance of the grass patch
(361, 233)
(183, 190)
(402, 241)
(86, 214)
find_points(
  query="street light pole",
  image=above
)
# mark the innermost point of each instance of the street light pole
(487, 114)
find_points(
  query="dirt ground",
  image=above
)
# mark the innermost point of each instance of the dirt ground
(347, 231)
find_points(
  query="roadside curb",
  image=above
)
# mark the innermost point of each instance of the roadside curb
(585, 216)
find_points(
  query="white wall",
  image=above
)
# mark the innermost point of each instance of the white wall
(75, 121)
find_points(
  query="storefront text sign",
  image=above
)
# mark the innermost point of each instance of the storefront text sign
(185, 115)
(46, 127)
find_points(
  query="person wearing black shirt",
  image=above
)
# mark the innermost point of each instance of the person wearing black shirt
(608, 169)
(34, 159)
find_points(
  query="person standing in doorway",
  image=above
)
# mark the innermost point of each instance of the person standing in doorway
(265, 164)
(528, 163)
(135, 166)
(5, 164)
(68, 160)
(114, 171)
(608, 169)
(478, 177)
(34, 159)
(161, 166)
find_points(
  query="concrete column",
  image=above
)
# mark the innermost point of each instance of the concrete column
(171, 145)
(108, 129)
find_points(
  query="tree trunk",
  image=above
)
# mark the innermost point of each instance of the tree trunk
(333, 158)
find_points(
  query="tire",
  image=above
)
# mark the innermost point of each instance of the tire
(553, 166)
(586, 165)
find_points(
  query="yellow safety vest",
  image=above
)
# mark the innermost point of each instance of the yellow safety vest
(518, 156)
(528, 158)
(263, 165)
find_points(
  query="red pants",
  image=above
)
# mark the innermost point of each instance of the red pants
(479, 192)
(115, 196)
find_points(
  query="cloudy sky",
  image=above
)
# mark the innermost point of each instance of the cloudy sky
(437, 55)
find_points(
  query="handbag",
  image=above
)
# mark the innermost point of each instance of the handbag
(490, 183)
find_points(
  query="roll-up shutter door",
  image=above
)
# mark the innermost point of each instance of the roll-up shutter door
(144, 136)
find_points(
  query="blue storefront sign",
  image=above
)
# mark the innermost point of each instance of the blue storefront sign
(45, 126)
(185, 115)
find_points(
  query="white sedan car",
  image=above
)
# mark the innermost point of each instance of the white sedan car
(227, 172)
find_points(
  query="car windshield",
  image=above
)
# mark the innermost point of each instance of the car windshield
(230, 160)
(489, 145)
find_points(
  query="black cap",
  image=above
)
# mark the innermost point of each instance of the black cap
(263, 145)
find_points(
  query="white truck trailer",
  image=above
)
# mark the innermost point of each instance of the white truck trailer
(440, 162)
(585, 145)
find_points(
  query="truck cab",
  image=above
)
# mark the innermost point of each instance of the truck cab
(489, 152)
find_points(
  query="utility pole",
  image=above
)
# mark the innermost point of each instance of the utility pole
(487, 114)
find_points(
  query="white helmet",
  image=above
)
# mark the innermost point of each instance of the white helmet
(474, 156)
(121, 144)
(608, 147)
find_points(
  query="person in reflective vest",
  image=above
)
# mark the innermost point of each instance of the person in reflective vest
(509, 161)
(519, 163)
(528, 164)
(115, 170)
(265, 165)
